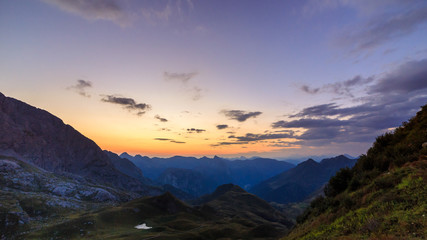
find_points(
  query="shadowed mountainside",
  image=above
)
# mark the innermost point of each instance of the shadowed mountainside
(36, 136)
(298, 183)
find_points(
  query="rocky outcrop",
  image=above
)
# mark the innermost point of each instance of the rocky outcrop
(36, 136)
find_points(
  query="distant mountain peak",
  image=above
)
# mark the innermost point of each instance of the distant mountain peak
(309, 161)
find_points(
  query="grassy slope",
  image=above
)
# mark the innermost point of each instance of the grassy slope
(383, 197)
(170, 219)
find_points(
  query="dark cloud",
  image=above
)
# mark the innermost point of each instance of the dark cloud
(240, 115)
(160, 118)
(228, 143)
(343, 88)
(81, 86)
(222, 126)
(182, 77)
(309, 123)
(195, 130)
(127, 103)
(310, 90)
(250, 137)
(168, 140)
(390, 100)
(385, 27)
(163, 139)
(94, 9)
(409, 77)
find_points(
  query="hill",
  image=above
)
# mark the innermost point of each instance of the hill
(230, 213)
(384, 196)
(296, 184)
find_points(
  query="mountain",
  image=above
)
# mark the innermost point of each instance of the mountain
(247, 173)
(244, 173)
(231, 214)
(298, 183)
(127, 167)
(188, 180)
(232, 202)
(36, 136)
(384, 196)
(31, 196)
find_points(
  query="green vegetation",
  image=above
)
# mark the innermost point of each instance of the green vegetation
(247, 217)
(384, 196)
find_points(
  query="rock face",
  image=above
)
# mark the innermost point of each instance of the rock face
(29, 194)
(36, 136)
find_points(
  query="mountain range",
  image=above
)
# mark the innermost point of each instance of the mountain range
(215, 171)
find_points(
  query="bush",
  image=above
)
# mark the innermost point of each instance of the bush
(339, 182)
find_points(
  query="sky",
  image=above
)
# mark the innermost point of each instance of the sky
(230, 78)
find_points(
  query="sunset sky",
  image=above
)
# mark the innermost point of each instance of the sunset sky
(225, 77)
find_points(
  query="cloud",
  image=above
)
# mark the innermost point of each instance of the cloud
(343, 88)
(227, 143)
(382, 20)
(127, 103)
(197, 93)
(240, 115)
(390, 99)
(409, 77)
(250, 137)
(109, 10)
(160, 118)
(383, 28)
(195, 130)
(182, 77)
(172, 11)
(80, 87)
(168, 140)
(222, 126)
(163, 139)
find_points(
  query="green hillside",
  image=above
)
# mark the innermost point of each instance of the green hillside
(230, 213)
(384, 196)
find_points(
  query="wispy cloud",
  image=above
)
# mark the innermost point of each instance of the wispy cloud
(240, 115)
(171, 11)
(127, 103)
(168, 140)
(197, 93)
(182, 77)
(381, 21)
(343, 88)
(80, 87)
(109, 10)
(160, 118)
(384, 28)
